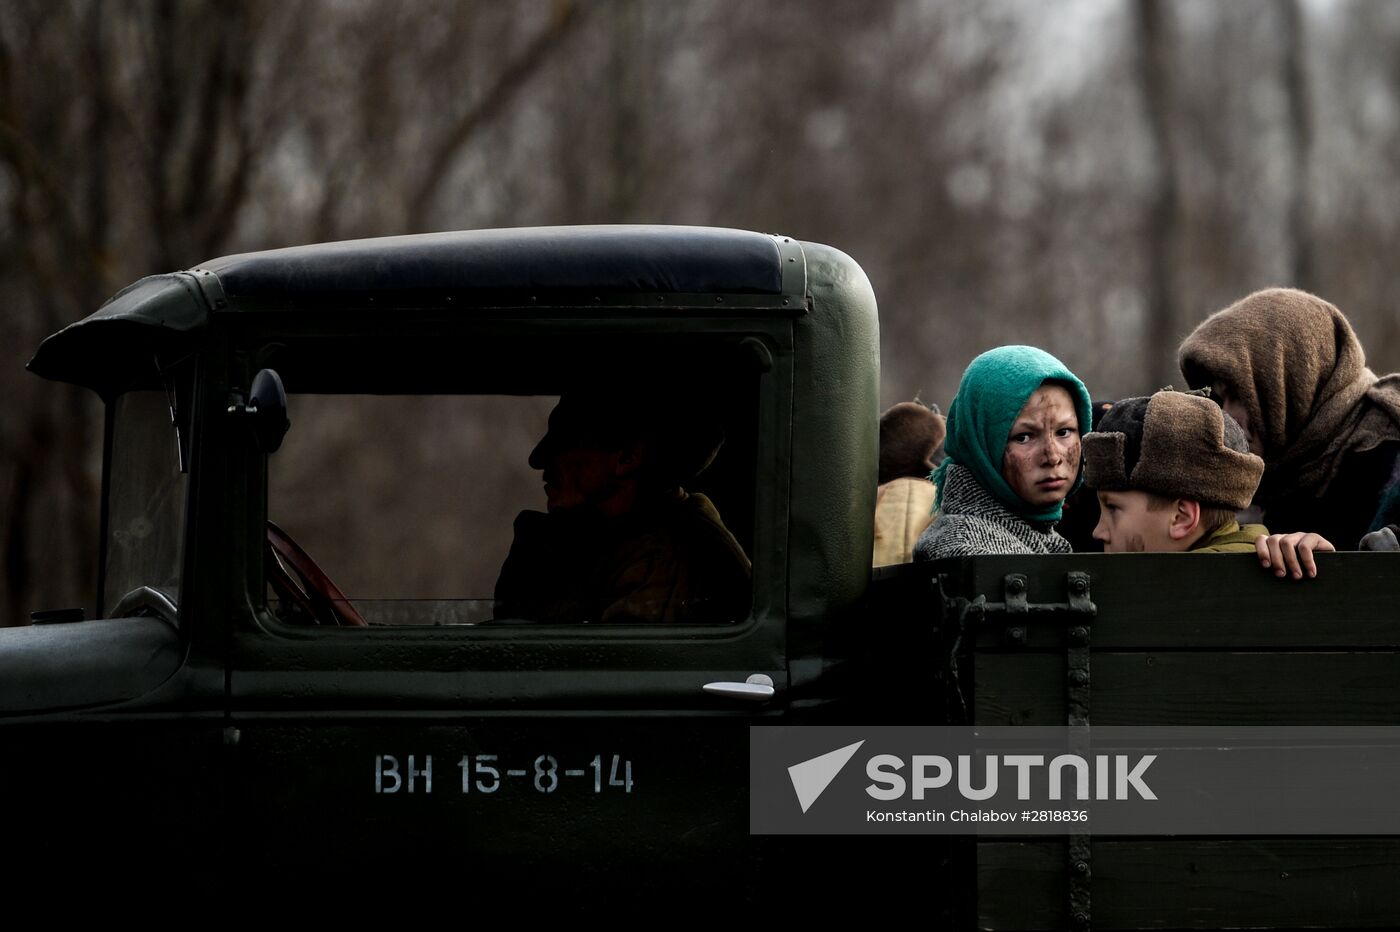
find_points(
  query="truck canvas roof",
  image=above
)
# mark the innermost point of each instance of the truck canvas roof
(654, 267)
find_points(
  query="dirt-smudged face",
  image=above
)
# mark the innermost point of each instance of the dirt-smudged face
(1129, 524)
(1041, 460)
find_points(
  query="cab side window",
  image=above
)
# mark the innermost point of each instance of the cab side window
(598, 503)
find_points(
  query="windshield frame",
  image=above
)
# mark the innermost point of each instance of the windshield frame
(172, 400)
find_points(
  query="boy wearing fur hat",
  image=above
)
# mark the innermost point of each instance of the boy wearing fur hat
(1171, 470)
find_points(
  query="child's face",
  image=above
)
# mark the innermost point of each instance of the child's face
(1041, 459)
(1127, 524)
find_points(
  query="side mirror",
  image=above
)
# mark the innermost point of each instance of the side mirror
(265, 410)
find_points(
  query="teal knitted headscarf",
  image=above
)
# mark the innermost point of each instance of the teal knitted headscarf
(994, 389)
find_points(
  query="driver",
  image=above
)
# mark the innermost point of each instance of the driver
(622, 541)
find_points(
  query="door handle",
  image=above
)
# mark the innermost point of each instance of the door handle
(757, 688)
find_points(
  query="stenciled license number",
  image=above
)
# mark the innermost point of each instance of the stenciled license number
(481, 773)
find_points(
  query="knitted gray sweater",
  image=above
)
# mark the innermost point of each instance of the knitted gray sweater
(975, 522)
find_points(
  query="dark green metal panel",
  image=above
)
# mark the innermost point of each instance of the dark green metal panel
(835, 440)
(1181, 640)
(92, 803)
(1186, 883)
(1193, 602)
(1196, 688)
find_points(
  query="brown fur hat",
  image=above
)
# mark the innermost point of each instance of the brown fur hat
(1175, 444)
(910, 432)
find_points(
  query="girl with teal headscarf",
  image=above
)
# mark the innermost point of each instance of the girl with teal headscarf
(1013, 456)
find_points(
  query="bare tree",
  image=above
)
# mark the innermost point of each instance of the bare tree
(1155, 75)
(167, 145)
(1300, 120)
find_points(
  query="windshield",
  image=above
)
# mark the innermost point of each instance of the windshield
(145, 505)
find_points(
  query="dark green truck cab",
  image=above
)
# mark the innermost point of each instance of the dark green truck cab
(203, 730)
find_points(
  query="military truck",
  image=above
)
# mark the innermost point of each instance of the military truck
(231, 721)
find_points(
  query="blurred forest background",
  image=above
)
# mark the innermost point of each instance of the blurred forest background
(1091, 176)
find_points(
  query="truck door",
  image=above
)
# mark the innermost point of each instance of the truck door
(407, 721)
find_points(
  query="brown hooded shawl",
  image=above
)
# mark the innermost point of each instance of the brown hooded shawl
(1296, 366)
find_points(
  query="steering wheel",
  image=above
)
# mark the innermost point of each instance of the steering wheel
(297, 580)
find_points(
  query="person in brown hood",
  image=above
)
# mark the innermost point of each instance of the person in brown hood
(1287, 366)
